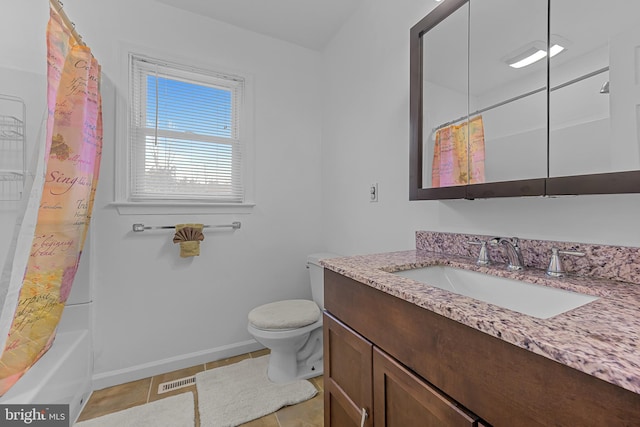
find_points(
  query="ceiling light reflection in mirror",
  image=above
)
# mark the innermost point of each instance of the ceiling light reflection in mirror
(532, 53)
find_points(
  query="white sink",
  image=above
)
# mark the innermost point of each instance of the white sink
(527, 298)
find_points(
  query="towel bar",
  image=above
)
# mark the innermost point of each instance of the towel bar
(141, 227)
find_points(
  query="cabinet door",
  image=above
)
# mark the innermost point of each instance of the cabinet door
(404, 400)
(347, 376)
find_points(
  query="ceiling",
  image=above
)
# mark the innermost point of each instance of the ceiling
(307, 23)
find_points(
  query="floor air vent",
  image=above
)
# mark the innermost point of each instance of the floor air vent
(176, 384)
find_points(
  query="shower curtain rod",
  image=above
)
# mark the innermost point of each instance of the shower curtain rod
(58, 6)
(524, 95)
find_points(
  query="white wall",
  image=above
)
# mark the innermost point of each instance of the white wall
(366, 139)
(154, 311)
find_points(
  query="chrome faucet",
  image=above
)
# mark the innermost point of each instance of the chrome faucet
(514, 255)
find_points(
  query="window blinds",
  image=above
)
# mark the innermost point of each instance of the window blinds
(184, 133)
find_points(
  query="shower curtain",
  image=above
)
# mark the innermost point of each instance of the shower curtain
(47, 245)
(458, 154)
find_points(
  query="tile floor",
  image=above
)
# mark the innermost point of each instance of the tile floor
(123, 396)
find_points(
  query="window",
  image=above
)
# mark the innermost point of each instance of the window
(184, 134)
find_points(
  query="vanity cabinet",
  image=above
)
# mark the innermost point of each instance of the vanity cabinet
(347, 376)
(404, 363)
(358, 374)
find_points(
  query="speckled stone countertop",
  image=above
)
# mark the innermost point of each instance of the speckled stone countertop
(601, 338)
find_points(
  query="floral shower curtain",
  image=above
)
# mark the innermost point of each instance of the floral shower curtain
(47, 245)
(459, 154)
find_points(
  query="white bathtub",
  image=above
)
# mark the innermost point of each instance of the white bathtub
(62, 375)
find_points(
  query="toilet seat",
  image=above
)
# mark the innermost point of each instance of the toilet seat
(284, 315)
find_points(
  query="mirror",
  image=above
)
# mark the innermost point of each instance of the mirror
(509, 103)
(594, 88)
(484, 124)
(445, 78)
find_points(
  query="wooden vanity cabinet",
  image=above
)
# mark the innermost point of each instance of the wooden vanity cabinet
(347, 376)
(395, 359)
(358, 374)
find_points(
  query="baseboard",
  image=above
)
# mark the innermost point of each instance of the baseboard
(146, 370)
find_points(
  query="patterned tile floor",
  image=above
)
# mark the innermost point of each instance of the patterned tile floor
(123, 396)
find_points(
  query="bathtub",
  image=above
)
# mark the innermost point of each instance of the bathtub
(62, 375)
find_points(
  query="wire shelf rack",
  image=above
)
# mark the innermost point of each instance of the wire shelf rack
(12, 147)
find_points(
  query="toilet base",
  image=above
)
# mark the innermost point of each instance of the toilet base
(300, 359)
(305, 372)
(280, 369)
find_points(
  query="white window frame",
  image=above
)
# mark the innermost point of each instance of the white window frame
(126, 203)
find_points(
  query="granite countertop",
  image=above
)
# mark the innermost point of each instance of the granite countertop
(600, 338)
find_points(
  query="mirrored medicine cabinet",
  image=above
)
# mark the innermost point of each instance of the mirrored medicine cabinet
(525, 98)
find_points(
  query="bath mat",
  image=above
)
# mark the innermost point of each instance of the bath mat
(238, 393)
(173, 411)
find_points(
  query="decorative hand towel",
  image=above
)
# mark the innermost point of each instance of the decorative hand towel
(189, 236)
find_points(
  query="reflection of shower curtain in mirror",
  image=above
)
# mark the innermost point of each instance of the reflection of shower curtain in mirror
(46, 249)
(458, 154)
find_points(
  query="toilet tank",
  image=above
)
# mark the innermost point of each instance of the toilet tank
(316, 275)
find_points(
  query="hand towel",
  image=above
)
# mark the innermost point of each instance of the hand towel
(189, 236)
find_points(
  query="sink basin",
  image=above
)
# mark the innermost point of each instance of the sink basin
(527, 298)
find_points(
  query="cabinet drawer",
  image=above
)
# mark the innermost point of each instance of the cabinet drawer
(401, 399)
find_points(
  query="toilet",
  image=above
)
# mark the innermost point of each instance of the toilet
(292, 329)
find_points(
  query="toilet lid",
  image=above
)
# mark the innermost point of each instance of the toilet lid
(286, 314)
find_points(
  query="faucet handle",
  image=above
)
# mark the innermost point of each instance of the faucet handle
(555, 268)
(483, 255)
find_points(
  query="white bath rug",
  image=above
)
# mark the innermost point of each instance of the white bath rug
(173, 411)
(238, 393)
